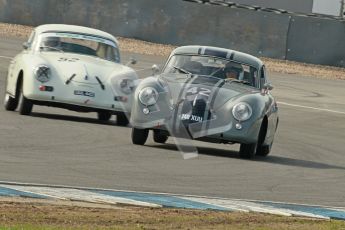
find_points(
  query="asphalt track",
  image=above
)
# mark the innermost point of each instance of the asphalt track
(307, 164)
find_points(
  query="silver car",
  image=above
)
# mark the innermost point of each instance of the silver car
(210, 94)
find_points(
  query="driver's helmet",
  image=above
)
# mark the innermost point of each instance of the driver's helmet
(52, 41)
(234, 70)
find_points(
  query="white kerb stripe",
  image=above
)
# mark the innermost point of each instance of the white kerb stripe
(79, 195)
(245, 206)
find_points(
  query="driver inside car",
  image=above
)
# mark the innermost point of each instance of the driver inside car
(53, 42)
(233, 71)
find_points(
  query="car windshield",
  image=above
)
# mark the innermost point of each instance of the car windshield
(80, 44)
(212, 67)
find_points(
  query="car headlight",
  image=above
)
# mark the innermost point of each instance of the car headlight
(242, 111)
(127, 86)
(43, 73)
(148, 96)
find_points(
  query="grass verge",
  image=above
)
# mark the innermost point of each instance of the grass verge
(30, 214)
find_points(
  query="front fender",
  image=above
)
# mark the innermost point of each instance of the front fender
(115, 82)
(223, 126)
(158, 112)
(26, 63)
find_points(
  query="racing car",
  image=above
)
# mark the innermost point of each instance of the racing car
(209, 94)
(71, 67)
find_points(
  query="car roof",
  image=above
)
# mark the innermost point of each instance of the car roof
(76, 29)
(233, 55)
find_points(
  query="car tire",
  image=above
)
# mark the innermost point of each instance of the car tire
(159, 138)
(10, 103)
(264, 150)
(139, 136)
(25, 105)
(104, 116)
(247, 151)
(122, 120)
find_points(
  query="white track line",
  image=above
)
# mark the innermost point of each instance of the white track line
(5, 57)
(308, 107)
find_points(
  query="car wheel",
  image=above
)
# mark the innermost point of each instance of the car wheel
(264, 150)
(10, 103)
(139, 136)
(25, 105)
(159, 138)
(247, 151)
(122, 119)
(104, 116)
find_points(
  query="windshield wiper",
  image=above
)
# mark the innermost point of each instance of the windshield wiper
(182, 70)
(53, 48)
(237, 81)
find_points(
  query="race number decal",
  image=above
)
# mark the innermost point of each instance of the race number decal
(201, 91)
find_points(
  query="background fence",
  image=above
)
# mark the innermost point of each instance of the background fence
(298, 6)
(261, 33)
(326, 7)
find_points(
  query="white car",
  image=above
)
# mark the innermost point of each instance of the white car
(71, 67)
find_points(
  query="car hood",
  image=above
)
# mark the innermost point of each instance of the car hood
(85, 68)
(214, 90)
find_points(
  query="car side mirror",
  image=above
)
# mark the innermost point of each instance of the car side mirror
(155, 69)
(26, 45)
(132, 61)
(268, 86)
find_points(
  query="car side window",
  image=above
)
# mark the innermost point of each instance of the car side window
(263, 77)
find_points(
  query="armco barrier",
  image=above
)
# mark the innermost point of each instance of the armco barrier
(178, 22)
(316, 40)
(299, 6)
(258, 33)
